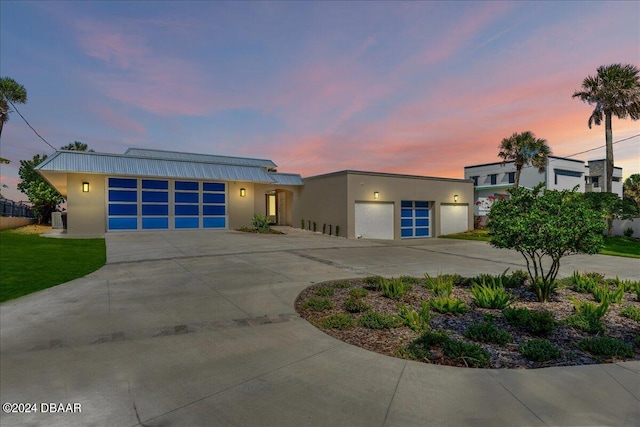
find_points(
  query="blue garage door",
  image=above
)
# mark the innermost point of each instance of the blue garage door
(414, 219)
(156, 204)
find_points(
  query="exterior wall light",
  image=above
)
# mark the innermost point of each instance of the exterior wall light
(243, 192)
(455, 198)
(85, 187)
(376, 195)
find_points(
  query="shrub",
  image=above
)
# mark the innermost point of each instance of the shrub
(631, 312)
(603, 293)
(260, 223)
(628, 232)
(358, 292)
(583, 284)
(355, 305)
(539, 350)
(515, 280)
(409, 281)
(342, 285)
(441, 286)
(416, 320)
(491, 294)
(448, 305)
(375, 320)
(606, 346)
(373, 283)
(535, 322)
(393, 288)
(471, 354)
(325, 291)
(487, 332)
(317, 304)
(337, 321)
(588, 316)
(337, 230)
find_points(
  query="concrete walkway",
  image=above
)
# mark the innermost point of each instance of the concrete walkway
(198, 328)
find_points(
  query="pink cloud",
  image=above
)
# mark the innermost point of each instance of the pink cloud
(119, 121)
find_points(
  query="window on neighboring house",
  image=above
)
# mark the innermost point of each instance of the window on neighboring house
(512, 177)
(615, 179)
(563, 172)
(475, 181)
(595, 181)
(494, 178)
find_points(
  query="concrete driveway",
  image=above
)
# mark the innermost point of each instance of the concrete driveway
(198, 328)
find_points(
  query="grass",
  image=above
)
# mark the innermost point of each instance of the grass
(616, 246)
(31, 263)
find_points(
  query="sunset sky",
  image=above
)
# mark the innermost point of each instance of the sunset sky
(418, 87)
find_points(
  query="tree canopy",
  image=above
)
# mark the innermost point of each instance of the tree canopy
(76, 146)
(544, 226)
(615, 91)
(45, 199)
(631, 188)
(523, 149)
(10, 91)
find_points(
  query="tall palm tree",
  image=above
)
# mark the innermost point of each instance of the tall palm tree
(615, 91)
(10, 90)
(523, 149)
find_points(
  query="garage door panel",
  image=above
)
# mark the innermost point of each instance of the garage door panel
(414, 219)
(454, 219)
(374, 220)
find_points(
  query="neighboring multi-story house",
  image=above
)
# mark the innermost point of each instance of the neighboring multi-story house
(492, 180)
(595, 175)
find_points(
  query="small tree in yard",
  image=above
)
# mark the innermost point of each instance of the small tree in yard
(45, 198)
(544, 226)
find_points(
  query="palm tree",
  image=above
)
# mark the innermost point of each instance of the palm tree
(523, 149)
(76, 146)
(12, 91)
(631, 188)
(615, 91)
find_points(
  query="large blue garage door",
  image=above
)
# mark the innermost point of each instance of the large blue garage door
(156, 204)
(414, 219)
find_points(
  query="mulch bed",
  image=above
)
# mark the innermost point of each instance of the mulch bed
(390, 341)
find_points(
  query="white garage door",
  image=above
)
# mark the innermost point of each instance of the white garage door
(454, 219)
(374, 220)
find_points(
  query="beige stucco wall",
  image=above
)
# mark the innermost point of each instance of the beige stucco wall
(291, 194)
(86, 212)
(331, 198)
(323, 200)
(240, 209)
(8, 222)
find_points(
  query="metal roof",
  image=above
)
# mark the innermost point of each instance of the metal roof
(287, 178)
(200, 158)
(117, 164)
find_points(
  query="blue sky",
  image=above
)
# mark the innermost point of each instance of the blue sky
(417, 87)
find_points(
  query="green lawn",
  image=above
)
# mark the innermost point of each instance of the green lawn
(617, 246)
(30, 263)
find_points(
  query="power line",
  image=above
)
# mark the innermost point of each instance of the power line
(603, 146)
(28, 124)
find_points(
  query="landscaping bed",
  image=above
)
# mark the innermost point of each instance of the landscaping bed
(407, 323)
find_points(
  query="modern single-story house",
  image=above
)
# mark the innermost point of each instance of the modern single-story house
(146, 189)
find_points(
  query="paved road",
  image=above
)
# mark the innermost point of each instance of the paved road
(198, 328)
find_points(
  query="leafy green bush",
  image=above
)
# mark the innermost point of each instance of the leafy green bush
(325, 291)
(456, 279)
(515, 280)
(373, 283)
(416, 320)
(631, 312)
(355, 305)
(409, 281)
(487, 332)
(375, 320)
(441, 286)
(358, 292)
(317, 304)
(491, 294)
(393, 288)
(342, 285)
(536, 322)
(584, 323)
(260, 223)
(604, 293)
(539, 350)
(471, 354)
(606, 346)
(337, 321)
(446, 304)
(583, 284)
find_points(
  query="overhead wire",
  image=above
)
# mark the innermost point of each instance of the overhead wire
(29, 124)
